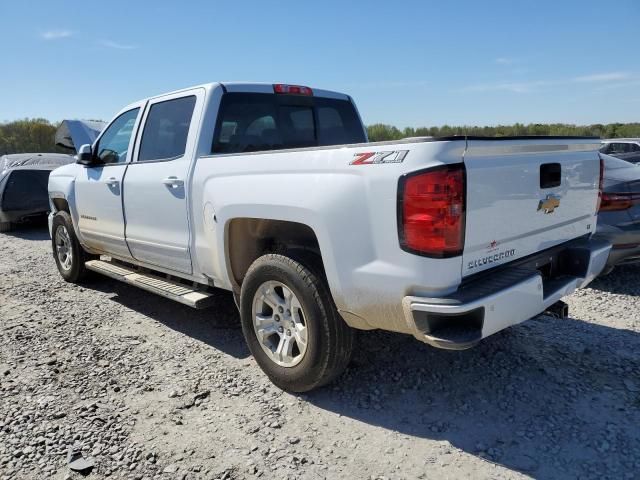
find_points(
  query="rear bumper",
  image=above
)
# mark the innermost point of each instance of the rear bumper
(505, 297)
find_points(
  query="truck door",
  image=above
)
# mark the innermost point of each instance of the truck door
(98, 188)
(156, 191)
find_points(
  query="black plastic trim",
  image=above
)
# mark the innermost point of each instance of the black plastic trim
(451, 330)
(542, 257)
(400, 211)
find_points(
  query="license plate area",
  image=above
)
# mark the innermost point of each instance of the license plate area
(556, 265)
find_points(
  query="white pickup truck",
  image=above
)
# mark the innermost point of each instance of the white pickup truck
(272, 192)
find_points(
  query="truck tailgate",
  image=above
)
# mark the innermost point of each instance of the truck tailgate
(527, 195)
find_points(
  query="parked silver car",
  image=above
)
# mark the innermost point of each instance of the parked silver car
(619, 216)
(24, 176)
(624, 148)
(23, 185)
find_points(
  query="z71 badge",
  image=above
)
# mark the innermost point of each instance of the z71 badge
(370, 158)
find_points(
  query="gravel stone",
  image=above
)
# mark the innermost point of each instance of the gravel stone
(172, 468)
(154, 390)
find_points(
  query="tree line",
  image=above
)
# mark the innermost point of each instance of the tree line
(36, 135)
(30, 135)
(380, 132)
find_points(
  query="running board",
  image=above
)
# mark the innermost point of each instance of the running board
(184, 294)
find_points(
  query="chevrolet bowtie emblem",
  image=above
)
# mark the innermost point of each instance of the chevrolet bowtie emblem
(549, 204)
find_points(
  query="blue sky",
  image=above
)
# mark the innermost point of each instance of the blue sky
(407, 63)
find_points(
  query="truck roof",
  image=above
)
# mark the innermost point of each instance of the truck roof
(246, 87)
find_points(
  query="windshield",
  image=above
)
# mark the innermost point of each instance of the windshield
(26, 190)
(250, 122)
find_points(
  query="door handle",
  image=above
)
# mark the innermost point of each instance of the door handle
(112, 182)
(173, 182)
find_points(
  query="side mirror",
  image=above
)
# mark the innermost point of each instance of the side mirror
(85, 155)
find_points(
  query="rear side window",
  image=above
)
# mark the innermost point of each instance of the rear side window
(165, 132)
(250, 122)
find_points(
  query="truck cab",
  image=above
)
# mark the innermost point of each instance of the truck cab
(149, 149)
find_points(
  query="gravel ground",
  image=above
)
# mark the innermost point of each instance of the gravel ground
(153, 389)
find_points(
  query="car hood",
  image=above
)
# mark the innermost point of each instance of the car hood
(73, 134)
(620, 175)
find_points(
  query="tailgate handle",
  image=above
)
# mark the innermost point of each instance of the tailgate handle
(550, 175)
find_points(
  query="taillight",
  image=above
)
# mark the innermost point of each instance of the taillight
(600, 185)
(618, 201)
(292, 89)
(610, 202)
(431, 211)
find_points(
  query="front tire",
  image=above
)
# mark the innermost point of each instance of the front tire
(67, 251)
(291, 324)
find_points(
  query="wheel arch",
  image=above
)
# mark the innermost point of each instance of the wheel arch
(60, 204)
(62, 195)
(247, 239)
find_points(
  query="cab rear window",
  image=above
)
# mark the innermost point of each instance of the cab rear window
(253, 122)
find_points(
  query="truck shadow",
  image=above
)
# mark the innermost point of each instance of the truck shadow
(549, 398)
(35, 229)
(217, 326)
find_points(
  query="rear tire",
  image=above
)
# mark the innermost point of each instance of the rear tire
(67, 251)
(309, 344)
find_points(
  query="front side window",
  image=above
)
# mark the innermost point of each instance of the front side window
(250, 122)
(113, 145)
(166, 130)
